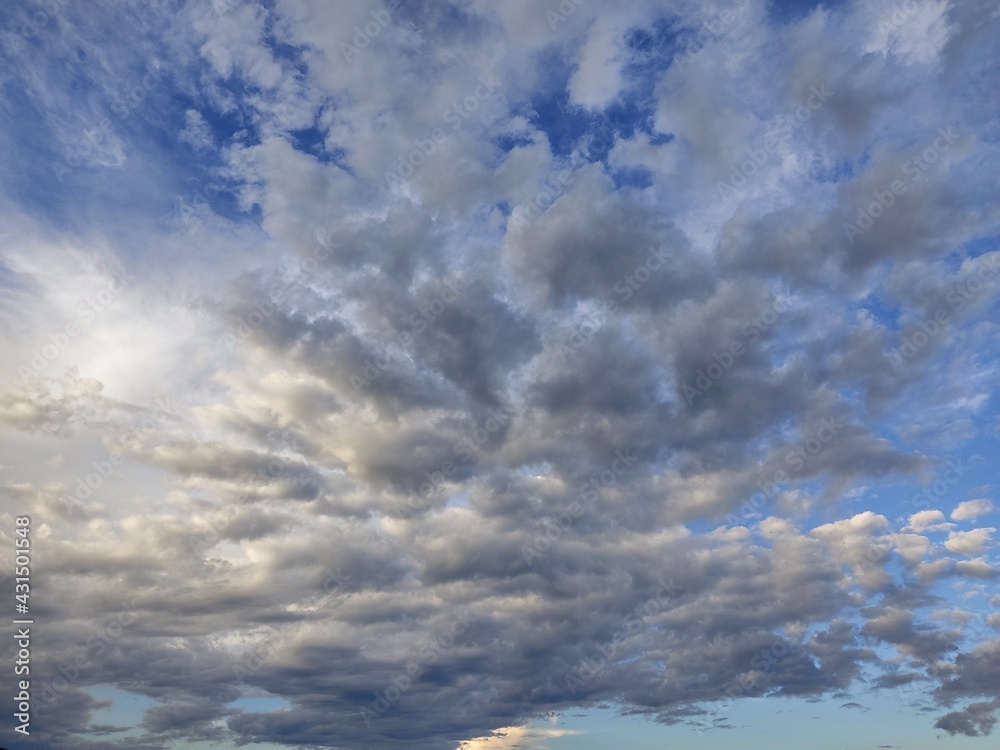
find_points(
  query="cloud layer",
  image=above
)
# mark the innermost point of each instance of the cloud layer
(435, 367)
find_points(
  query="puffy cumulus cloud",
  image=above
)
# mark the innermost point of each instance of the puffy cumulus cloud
(928, 520)
(975, 720)
(970, 509)
(976, 568)
(433, 367)
(853, 541)
(969, 542)
(971, 679)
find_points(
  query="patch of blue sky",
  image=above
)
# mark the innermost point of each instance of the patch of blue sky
(885, 314)
(975, 248)
(568, 126)
(260, 704)
(651, 49)
(633, 177)
(123, 709)
(790, 11)
(507, 142)
(838, 171)
(312, 141)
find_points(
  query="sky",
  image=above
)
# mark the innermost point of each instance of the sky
(474, 375)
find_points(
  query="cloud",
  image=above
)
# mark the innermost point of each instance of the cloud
(509, 737)
(976, 720)
(970, 509)
(968, 542)
(928, 520)
(500, 367)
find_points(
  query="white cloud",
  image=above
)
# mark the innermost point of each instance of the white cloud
(970, 509)
(928, 520)
(969, 542)
(196, 131)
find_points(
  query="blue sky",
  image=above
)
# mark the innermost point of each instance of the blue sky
(487, 375)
